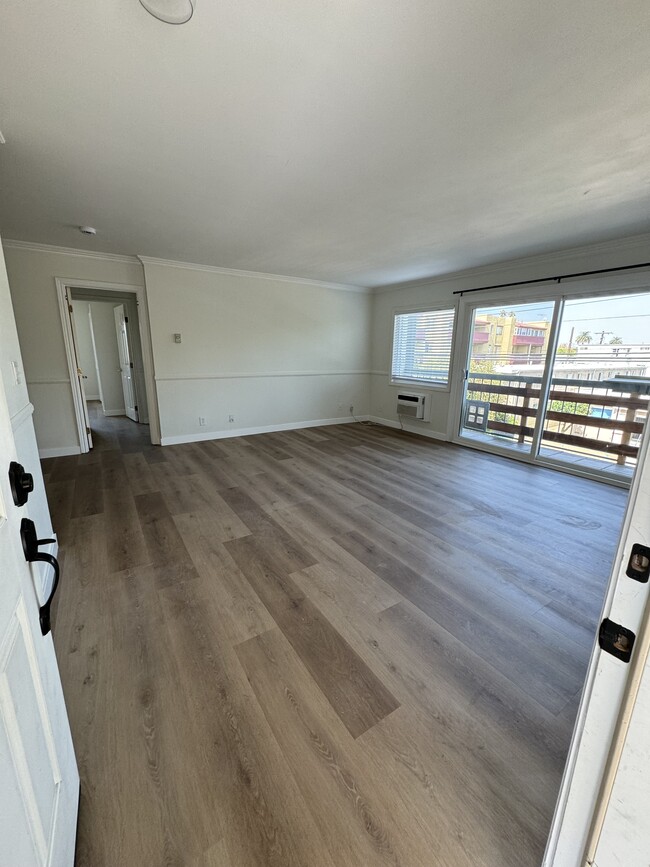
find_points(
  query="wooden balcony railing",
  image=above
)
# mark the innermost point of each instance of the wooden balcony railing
(573, 408)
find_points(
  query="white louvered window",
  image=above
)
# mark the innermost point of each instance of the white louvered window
(422, 346)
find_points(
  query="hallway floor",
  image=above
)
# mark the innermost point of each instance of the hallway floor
(332, 647)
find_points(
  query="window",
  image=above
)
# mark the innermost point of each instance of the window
(422, 346)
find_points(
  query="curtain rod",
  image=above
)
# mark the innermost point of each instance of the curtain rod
(557, 279)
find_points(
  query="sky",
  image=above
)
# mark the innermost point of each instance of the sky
(624, 316)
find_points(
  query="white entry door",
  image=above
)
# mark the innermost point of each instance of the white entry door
(601, 816)
(39, 783)
(126, 365)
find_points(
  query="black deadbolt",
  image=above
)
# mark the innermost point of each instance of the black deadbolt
(22, 483)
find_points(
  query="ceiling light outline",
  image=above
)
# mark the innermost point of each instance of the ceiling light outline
(150, 6)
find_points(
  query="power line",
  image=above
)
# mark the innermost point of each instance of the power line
(607, 318)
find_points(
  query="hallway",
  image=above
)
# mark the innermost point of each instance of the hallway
(328, 647)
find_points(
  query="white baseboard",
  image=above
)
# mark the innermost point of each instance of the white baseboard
(250, 431)
(59, 452)
(114, 411)
(410, 427)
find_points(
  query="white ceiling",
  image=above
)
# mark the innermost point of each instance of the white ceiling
(359, 141)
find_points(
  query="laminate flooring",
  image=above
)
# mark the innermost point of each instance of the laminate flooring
(333, 647)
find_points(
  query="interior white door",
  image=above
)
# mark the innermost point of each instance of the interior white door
(39, 783)
(601, 811)
(126, 365)
(82, 388)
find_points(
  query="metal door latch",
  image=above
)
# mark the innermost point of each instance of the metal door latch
(31, 544)
(638, 566)
(616, 639)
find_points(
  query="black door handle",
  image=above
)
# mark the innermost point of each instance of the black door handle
(30, 548)
(22, 483)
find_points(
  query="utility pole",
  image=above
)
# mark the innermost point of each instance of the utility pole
(602, 336)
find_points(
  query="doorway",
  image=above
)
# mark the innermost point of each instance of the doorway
(108, 347)
(106, 335)
(561, 381)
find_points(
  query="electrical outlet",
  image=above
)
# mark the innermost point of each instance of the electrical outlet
(231, 418)
(201, 421)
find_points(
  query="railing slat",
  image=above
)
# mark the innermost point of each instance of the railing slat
(569, 439)
(523, 389)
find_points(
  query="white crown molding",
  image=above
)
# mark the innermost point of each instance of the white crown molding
(233, 272)
(632, 241)
(68, 251)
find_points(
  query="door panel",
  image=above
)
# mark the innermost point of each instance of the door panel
(126, 365)
(26, 722)
(600, 735)
(598, 401)
(625, 834)
(39, 781)
(14, 820)
(504, 374)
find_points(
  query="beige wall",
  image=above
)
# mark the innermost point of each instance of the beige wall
(33, 291)
(270, 352)
(20, 410)
(439, 292)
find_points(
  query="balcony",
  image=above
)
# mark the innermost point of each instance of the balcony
(589, 423)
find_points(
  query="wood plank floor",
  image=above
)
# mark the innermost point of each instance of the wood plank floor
(337, 647)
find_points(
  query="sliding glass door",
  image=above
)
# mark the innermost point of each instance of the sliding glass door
(505, 369)
(598, 400)
(564, 382)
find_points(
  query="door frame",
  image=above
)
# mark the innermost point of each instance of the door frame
(587, 287)
(609, 693)
(64, 284)
(86, 440)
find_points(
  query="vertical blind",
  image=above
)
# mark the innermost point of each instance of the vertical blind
(422, 346)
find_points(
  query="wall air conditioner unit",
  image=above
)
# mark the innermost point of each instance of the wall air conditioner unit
(412, 405)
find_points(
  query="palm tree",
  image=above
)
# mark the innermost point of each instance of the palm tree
(616, 341)
(584, 337)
